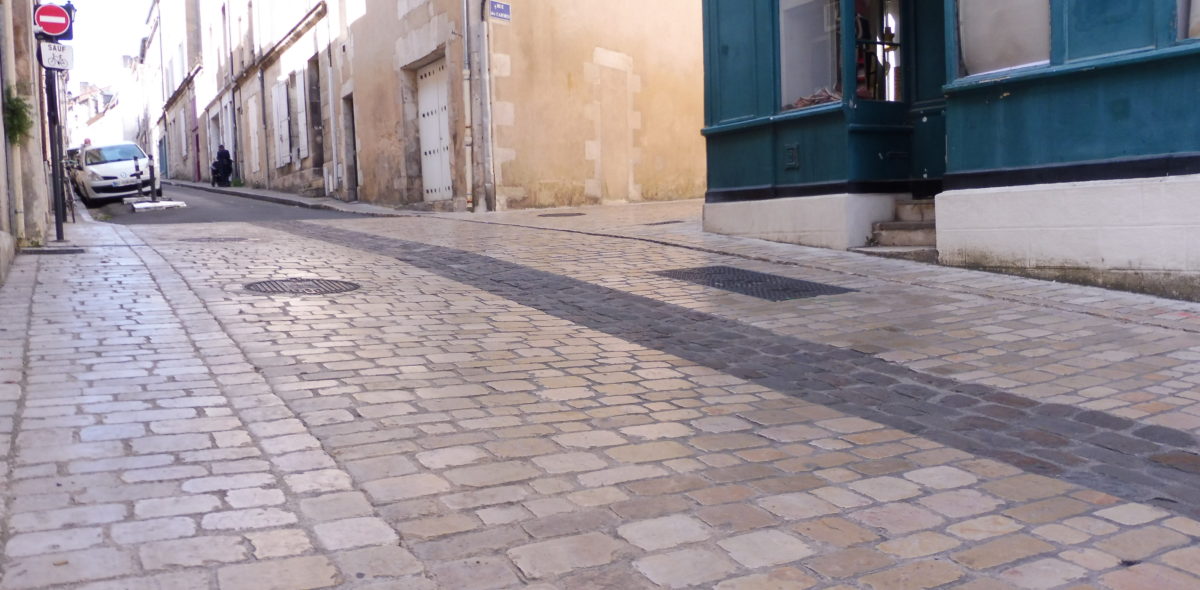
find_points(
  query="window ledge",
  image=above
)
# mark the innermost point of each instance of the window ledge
(1184, 48)
(805, 113)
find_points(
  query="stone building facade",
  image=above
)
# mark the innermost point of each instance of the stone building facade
(442, 104)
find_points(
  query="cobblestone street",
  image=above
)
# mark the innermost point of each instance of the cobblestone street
(512, 400)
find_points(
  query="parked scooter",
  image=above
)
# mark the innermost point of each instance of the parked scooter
(221, 170)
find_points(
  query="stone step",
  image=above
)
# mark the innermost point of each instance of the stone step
(905, 233)
(915, 210)
(915, 253)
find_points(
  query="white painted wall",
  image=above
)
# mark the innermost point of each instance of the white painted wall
(1138, 224)
(827, 221)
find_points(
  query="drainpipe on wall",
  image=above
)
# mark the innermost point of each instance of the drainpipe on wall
(333, 146)
(15, 176)
(485, 115)
(267, 137)
(468, 139)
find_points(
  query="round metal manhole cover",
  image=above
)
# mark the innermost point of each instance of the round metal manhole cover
(212, 240)
(302, 287)
(562, 215)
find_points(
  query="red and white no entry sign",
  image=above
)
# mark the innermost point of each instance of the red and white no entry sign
(52, 18)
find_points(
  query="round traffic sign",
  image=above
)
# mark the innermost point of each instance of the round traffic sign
(52, 18)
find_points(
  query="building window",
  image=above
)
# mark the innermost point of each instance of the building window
(1001, 35)
(810, 45)
(877, 49)
(1189, 19)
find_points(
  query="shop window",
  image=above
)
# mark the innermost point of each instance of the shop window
(877, 49)
(1001, 35)
(810, 45)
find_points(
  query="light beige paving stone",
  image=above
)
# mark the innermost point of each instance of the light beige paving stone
(665, 532)
(1001, 551)
(848, 563)
(65, 568)
(478, 573)
(1049, 510)
(196, 551)
(190, 504)
(1043, 574)
(961, 503)
(898, 518)
(797, 506)
(1132, 514)
(451, 457)
(787, 578)
(67, 517)
(918, 575)
(378, 562)
(405, 487)
(564, 554)
(1149, 576)
(142, 531)
(27, 544)
(250, 518)
(919, 545)
(192, 580)
(439, 526)
(1062, 534)
(254, 497)
(354, 532)
(590, 439)
(984, 527)
(318, 481)
(1141, 543)
(941, 478)
(279, 543)
(1091, 559)
(298, 573)
(617, 475)
(836, 531)
(765, 548)
(491, 474)
(1091, 526)
(686, 567)
(886, 489)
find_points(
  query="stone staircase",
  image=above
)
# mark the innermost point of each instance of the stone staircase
(912, 236)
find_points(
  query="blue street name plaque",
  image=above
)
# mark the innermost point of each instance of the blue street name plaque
(501, 10)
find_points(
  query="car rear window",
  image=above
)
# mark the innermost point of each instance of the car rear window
(112, 153)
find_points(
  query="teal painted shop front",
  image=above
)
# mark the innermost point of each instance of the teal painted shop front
(981, 103)
(1117, 83)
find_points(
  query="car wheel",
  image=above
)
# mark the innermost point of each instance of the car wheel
(158, 192)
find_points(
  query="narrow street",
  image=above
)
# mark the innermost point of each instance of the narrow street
(208, 207)
(545, 399)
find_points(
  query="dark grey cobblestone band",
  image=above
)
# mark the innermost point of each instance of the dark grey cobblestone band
(1141, 463)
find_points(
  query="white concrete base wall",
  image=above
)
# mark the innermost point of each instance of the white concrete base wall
(1139, 224)
(827, 221)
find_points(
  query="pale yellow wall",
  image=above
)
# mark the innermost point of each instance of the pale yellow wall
(372, 69)
(598, 102)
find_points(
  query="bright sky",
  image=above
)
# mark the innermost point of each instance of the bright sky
(105, 30)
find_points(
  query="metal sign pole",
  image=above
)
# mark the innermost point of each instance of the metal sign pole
(53, 115)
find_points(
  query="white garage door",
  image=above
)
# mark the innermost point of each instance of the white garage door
(433, 106)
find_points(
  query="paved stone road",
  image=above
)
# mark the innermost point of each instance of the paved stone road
(524, 403)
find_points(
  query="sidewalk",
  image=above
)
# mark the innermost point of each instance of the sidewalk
(511, 400)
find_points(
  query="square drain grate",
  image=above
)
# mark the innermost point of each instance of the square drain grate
(754, 284)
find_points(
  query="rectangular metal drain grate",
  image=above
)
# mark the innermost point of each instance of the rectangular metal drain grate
(51, 251)
(754, 284)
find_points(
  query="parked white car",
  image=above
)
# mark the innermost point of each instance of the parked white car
(115, 171)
